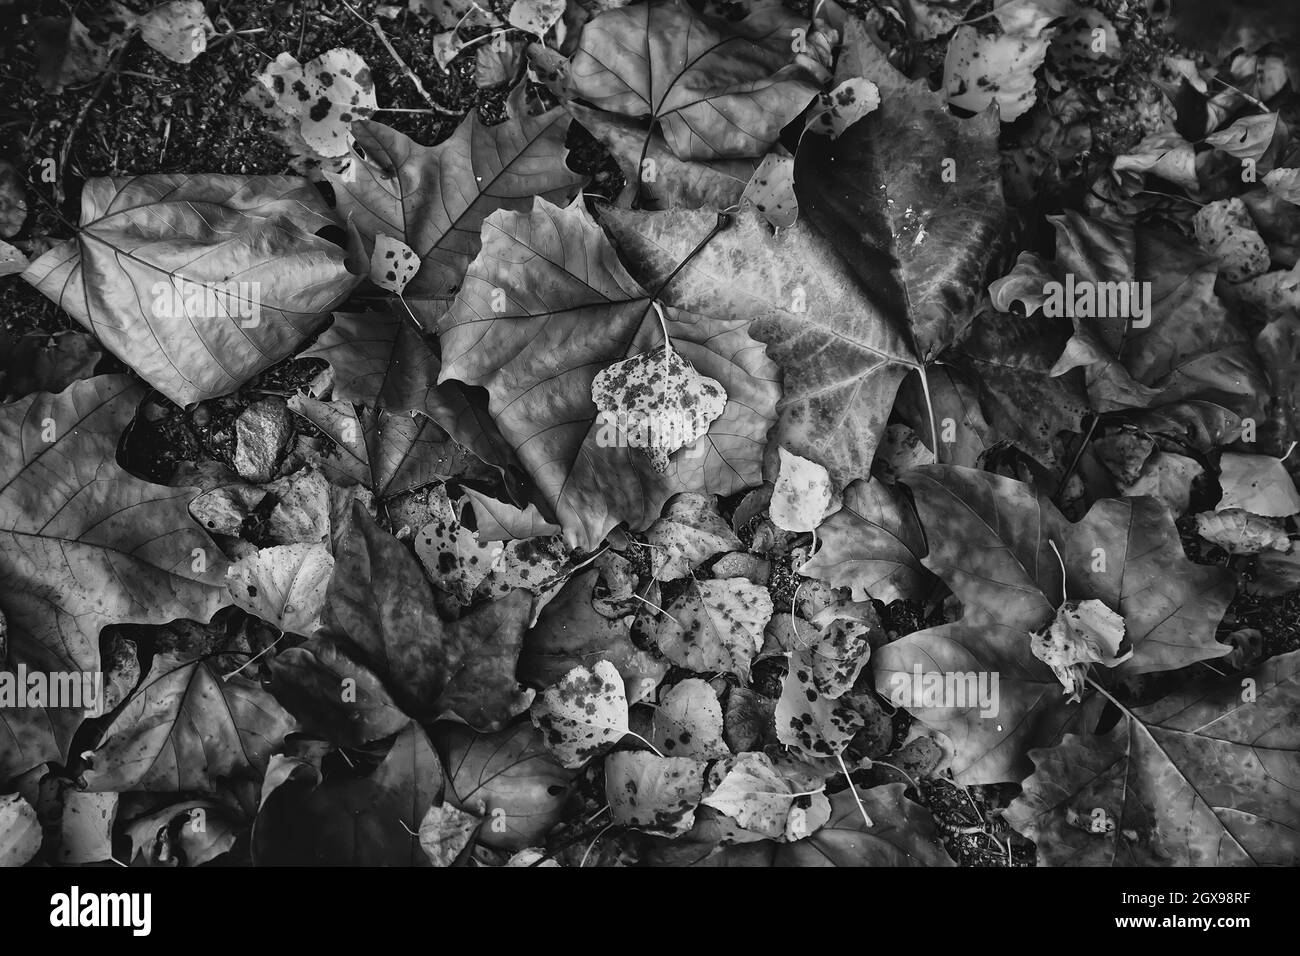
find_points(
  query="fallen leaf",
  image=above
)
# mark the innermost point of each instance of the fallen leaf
(653, 793)
(583, 714)
(762, 801)
(314, 104)
(1204, 777)
(802, 494)
(1240, 532)
(86, 545)
(902, 834)
(872, 545)
(714, 88)
(715, 626)
(983, 68)
(149, 274)
(576, 310)
(178, 29)
(20, 831)
(445, 831)
(284, 585)
(770, 192)
(184, 728)
(688, 722)
(690, 532)
(1259, 484)
(508, 778)
(440, 195)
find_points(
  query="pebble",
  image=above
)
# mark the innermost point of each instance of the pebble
(262, 435)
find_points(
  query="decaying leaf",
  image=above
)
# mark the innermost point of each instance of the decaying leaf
(715, 626)
(583, 714)
(653, 793)
(1205, 777)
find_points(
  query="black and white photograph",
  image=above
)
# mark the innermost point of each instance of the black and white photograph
(643, 434)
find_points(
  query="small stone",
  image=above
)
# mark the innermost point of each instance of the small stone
(262, 436)
(121, 670)
(201, 416)
(155, 412)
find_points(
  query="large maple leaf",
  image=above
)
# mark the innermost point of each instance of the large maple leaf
(714, 88)
(380, 604)
(435, 198)
(991, 541)
(879, 275)
(198, 282)
(84, 544)
(380, 360)
(546, 306)
(1205, 777)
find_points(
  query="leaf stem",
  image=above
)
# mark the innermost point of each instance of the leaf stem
(724, 220)
(929, 407)
(633, 733)
(853, 788)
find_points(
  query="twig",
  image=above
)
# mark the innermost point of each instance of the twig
(407, 72)
(82, 113)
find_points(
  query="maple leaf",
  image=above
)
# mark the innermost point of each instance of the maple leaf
(877, 277)
(1204, 777)
(389, 453)
(714, 88)
(435, 198)
(547, 305)
(152, 273)
(379, 360)
(508, 778)
(665, 182)
(902, 834)
(1012, 359)
(380, 603)
(872, 545)
(358, 821)
(186, 727)
(997, 556)
(86, 545)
